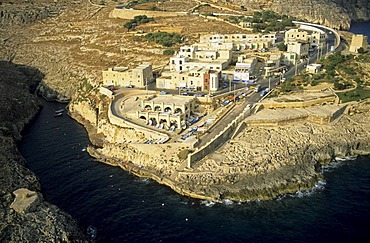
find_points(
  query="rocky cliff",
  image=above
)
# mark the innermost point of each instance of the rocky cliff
(24, 215)
(23, 12)
(333, 13)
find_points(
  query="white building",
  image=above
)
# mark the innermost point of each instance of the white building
(244, 68)
(197, 79)
(300, 48)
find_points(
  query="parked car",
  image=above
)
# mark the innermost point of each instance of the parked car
(112, 87)
(129, 86)
(162, 92)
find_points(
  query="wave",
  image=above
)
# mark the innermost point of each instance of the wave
(208, 203)
(348, 158)
(320, 185)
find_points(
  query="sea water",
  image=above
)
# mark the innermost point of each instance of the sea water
(120, 207)
(124, 208)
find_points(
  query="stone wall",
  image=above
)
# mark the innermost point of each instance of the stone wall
(299, 104)
(130, 14)
(127, 124)
(218, 140)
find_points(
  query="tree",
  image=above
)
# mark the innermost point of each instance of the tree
(282, 46)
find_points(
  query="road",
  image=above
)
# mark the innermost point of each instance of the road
(252, 98)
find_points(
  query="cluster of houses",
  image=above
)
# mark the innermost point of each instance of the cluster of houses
(201, 66)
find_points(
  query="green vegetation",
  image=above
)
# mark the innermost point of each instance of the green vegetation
(287, 86)
(183, 154)
(264, 21)
(282, 46)
(164, 38)
(358, 94)
(269, 21)
(168, 52)
(138, 20)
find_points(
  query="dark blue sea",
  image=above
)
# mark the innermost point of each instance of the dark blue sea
(361, 28)
(124, 208)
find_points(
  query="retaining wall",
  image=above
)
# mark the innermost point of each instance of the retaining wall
(299, 104)
(131, 13)
(118, 121)
(218, 140)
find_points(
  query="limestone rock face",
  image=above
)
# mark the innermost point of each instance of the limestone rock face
(333, 13)
(24, 217)
(25, 200)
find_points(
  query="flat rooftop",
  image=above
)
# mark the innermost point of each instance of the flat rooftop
(172, 99)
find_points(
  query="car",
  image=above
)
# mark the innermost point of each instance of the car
(225, 103)
(112, 87)
(129, 86)
(198, 95)
(162, 92)
(184, 93)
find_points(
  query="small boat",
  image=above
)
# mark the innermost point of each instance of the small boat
(92, 232)
(59, 111)
(58, 114)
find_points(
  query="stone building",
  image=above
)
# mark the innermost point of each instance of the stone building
(199, 79)
(167, 111)
(123, 76)
(241, 41)
(244, 68)
(358, 41)
(299, 47)
(315, 37)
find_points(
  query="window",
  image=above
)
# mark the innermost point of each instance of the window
(191, 82)
(173, 61)
(180, 62)
(183, 78)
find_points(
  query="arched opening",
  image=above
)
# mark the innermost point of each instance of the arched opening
(173, 126)
(162, 123)
(157, 108)
(167, 109)
(148, 108)
(142, 117)
(152, 122)
(178, 110)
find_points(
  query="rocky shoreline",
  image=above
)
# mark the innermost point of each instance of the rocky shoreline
(24, 215)
(280, 160)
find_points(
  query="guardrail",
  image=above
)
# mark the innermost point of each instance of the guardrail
(337, 36)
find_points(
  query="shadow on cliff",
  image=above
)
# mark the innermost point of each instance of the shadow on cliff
(18, 102)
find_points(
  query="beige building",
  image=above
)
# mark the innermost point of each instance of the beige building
(314, 38)
(197, 79)
(273, 65)
(242, 41)
(123, 76)
(300, 48)
(358, 41)
(167, 111)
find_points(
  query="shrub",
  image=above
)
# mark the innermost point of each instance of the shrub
(164, 38)
(168, 52)
(183, 154)
(138, 20)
